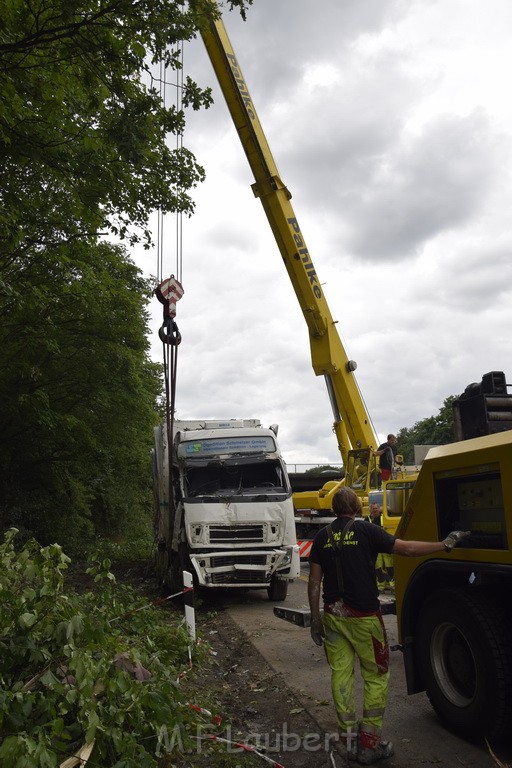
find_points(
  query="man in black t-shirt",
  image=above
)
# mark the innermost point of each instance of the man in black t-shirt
(342, 560)
(387, 452)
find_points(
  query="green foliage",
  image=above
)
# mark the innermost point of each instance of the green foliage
(434, 430)
(324, 468)
(241, 5)
(82, 134)
(82, 123)
(90, 667)
(78, 408)
(135, 541)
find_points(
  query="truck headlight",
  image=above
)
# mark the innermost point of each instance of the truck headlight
(287, 557)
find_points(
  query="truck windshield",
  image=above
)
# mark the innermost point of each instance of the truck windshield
(232, 477)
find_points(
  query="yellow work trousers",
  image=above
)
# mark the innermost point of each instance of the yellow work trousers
(385, 571)
(365, 637)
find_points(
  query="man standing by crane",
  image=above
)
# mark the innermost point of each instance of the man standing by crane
(387, 452)
(343, 558)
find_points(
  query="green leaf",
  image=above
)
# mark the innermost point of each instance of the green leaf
(27, 620)
(49, 680)
(74, 626)
(138, 49)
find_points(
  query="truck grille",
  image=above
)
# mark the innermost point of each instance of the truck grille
(246, 533)
(241, 576)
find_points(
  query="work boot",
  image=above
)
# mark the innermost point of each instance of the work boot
(351, 748)
(352, 752)
(368, 756)
(351, 743)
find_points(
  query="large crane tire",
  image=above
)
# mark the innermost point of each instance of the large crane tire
(465, 658)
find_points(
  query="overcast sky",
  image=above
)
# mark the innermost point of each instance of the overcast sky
(391, 124)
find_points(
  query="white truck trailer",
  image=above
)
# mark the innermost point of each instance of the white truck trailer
(223, 507)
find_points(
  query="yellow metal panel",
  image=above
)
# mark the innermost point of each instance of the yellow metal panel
(483, 504)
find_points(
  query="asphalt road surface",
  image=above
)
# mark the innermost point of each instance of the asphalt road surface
(411, 724)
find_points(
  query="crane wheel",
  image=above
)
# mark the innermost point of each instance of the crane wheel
(465, 657)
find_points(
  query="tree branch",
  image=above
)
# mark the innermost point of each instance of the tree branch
(48, 36)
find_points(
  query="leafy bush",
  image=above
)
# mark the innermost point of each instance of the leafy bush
(84, 668)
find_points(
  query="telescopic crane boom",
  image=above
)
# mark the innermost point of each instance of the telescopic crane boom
(352, 424)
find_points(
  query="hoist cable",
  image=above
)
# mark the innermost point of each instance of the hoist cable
(170, 362)
(178, 90)
(170, 349)
(170, 354)
(179, 148)
(160, 217)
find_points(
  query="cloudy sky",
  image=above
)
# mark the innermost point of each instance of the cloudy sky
(391, 124)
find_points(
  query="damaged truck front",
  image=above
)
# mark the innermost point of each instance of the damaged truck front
(223, 507)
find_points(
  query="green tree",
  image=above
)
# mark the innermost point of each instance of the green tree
(83, 154)
(324, 468)
(82, 124)
(434, 430)
(79, 393)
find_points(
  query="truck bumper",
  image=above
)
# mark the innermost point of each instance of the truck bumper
(246, 568)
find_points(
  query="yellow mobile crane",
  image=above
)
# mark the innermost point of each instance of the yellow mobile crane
(352, 425)
(453, 609)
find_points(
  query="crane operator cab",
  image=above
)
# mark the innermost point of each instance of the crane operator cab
(362, 474)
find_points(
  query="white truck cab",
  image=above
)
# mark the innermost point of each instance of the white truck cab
(230, 517)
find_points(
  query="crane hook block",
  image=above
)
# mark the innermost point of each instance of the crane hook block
(169, 333)
(169, 292)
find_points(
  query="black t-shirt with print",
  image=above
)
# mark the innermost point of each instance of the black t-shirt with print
(361, 545)
(387, 459)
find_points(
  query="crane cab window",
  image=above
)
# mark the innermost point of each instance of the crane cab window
(397, 496)
(359, 464)
(393, 500)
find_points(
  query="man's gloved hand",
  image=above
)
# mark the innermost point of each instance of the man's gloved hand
(317, 631)
(454, 538)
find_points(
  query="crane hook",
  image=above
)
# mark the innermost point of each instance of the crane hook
(168, 293)
(169, 332)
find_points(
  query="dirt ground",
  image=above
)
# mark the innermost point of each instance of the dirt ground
(258, 709)
(256, 704)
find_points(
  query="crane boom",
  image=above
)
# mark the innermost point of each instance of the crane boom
(352, 424)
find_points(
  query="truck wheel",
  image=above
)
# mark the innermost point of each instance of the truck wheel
(277, 589)
(179, 562)
(175, 573)
(465, 656)
(161, 565)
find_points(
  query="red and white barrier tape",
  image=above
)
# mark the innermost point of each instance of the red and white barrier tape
(216, 719)
(246, 747)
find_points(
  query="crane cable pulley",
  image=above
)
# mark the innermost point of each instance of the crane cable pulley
(168, 293)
